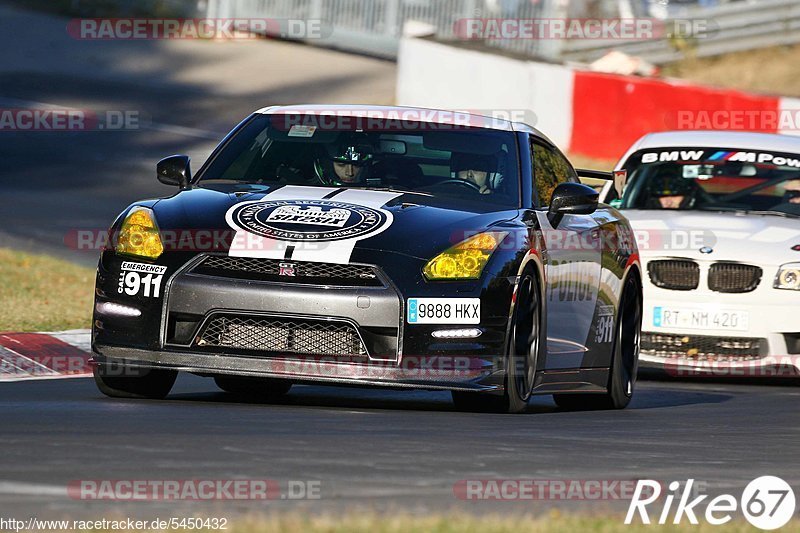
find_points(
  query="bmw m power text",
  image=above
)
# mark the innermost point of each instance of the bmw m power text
(452, 252)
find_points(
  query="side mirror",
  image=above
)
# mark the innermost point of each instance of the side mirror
(175, 170)
(573, 199)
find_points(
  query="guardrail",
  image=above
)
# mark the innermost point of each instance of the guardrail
(729, 28)
(376, 26)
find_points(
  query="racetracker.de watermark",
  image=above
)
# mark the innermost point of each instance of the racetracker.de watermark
(765, 120)
(545, 489)
(193, 489)
(223, 240)
(306, 122)
(715, 366)
(68, 120)
(594, 29)
(148, 29)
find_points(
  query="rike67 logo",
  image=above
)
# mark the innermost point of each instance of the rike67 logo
(767, 502)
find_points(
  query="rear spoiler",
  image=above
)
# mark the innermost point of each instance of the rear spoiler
(618, 177)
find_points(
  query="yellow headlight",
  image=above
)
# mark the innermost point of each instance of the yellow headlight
(465, 260)
(139, 235)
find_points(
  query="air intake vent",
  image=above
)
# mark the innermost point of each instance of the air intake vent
(734, 277)
(674, 274)
(281, 336)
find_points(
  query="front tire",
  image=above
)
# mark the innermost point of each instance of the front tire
(139, 384)
(523, 354)
(625, 358)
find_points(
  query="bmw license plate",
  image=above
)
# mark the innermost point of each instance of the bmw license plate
(687, 318)
(444, 311)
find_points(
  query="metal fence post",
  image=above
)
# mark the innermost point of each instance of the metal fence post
(315, 10)
(551, 48)
(392, 22)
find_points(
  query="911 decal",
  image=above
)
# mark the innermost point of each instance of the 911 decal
(444, 311)
(604, 327)
(141, 279)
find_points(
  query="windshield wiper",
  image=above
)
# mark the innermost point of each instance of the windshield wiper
(390, 189)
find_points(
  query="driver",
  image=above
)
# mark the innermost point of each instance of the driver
(791, 198)
(346, 164)
(792, 194)
(668, 191)
(473, 169)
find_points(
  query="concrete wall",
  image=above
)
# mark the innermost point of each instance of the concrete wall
(587, 113)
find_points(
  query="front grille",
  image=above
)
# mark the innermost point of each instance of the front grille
(289, 271)
(281, 335)
(734, 277)
(702, 347)
(674, 274)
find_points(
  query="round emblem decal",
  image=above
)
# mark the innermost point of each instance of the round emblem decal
(706, 250)
(307, 220)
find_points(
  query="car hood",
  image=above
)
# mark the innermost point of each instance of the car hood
(418, 226)
(716, 236)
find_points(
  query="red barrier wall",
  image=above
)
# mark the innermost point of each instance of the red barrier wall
(611, 112)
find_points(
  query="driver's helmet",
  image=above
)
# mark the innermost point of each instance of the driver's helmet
(460, 162)
(351, 151)
(668, 182)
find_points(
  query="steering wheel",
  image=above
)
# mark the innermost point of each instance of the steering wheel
(463, 183)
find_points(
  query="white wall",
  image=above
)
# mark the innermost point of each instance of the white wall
(436, 75)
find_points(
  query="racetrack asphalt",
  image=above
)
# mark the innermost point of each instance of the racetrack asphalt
(379, 449)
(184, 95)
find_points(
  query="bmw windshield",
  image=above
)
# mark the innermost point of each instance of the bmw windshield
(463, 163)
(710, 179)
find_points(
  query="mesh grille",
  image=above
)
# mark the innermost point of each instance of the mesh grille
(703, 348)
(283, 335)
(674, 274)
(289, 271)
(733, 277)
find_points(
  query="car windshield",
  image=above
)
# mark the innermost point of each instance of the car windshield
(458, 162)
(713, 180)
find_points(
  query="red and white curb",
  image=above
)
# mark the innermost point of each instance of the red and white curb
(57, 355)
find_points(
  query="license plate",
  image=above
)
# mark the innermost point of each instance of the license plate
(444, 311)
(685, 318)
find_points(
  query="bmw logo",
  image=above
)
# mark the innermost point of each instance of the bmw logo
(706, 250)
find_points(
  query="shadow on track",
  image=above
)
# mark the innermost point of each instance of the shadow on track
(339, 397)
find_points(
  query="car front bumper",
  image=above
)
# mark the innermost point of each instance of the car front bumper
(172, 331)
(767, 344)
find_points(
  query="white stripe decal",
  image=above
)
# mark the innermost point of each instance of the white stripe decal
(326, 249)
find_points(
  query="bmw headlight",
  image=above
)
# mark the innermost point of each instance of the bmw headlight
(139, 235)
(466, 259)
(788, 277)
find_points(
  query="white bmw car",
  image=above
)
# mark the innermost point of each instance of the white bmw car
(717, 219)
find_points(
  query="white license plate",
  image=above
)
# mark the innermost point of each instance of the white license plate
(444, 311)
(687, 318)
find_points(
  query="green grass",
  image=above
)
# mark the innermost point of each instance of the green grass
(40, 293)
(552, 521)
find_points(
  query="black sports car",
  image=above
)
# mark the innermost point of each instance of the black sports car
(374, 246)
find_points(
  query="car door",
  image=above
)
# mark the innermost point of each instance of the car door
(571, 253)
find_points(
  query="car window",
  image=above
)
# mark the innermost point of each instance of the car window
(712, 179)
(463, 163)
(550, 169)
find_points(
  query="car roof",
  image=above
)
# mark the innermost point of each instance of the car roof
(739, 140)
(417, 114)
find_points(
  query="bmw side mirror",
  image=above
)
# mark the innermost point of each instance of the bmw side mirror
(175, 170)
(572, 199)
